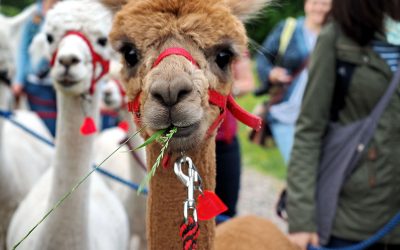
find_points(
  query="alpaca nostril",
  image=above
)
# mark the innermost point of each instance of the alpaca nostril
(68, 60)
(173, 92)
(182, 94)
(159, 98)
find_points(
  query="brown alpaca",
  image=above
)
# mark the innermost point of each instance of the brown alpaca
(175, 92)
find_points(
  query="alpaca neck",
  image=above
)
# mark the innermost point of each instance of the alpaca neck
(3, 170)
(67, 228)
(136, 204)
(7, 200)
(167, 194)
(3, 106)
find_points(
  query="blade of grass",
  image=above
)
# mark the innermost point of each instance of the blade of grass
(152, 138)
(72, 190)
(165, 141)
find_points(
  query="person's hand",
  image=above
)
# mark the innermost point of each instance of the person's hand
(16, 89)
(279, 75)
(303, 239)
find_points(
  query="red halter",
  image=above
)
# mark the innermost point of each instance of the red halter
(96, 58)
(215, 98)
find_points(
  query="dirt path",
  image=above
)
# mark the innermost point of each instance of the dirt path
(259, 194)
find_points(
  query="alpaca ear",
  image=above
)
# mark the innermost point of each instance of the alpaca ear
(246, 9)
(114, 5)
(39, 48)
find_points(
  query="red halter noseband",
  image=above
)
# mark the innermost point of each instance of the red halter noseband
(96, 58)
(215, 98)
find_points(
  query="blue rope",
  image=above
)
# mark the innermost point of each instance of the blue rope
(369, 242)
(8, 115)
(121, 180)
(222, 218)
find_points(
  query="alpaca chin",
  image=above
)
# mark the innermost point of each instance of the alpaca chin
(182, 144)
(72, 87)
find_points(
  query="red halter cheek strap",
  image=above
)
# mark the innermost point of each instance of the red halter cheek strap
(215, 98)
(134, 108)
(96, 58)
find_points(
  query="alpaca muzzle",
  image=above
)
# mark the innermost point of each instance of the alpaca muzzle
(215, 98)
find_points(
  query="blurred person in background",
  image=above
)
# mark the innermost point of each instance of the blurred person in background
(34, 80)
(282, 70)
(228, 153)
(364, 39)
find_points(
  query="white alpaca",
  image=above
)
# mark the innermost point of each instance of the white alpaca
(92, 217)
(23, 158)
(124, 164)
(12, 26)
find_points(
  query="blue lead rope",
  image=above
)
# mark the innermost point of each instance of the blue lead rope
(220, 218)
(369, 242)
(8, 115)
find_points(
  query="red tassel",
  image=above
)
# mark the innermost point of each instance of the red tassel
(124, 125)
(88, 127)
(165, 161)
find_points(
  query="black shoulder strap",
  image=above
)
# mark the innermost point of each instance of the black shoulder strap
(344, 74)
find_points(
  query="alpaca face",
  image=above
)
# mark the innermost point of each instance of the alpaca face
(72, 69)
(175, 92)
(112, 95)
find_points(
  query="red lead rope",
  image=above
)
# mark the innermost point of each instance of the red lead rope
(189, 232)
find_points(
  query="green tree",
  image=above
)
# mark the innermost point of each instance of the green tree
(277, 11)
(13, 7)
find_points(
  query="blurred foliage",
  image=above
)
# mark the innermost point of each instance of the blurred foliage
(257, 28)
(13, 7)
(277, 11)
(267, 160)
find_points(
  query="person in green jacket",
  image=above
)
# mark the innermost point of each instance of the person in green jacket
(360, 48)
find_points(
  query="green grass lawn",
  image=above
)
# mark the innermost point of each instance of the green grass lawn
(266, 160)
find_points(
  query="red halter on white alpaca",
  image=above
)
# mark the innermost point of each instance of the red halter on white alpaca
(215, 98)
(88, 127)
(96, 58)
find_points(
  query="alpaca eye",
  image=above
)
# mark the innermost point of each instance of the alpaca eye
(102, 41)
(130, 55)
(49, 38)
(223, 58)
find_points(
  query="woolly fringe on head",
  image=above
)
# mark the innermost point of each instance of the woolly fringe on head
(114, 5)
(246, 10)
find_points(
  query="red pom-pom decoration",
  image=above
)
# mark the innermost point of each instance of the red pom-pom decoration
(124, 125)
(88, 127)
